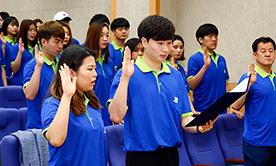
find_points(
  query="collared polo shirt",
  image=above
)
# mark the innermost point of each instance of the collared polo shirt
(116, 54)
(260, 110)
(11, 51)
(27, 55)
(182, 72)
(213, 83)
(34, 106)
(84, 144)
(2, 65)
(105, 74)
(156, 103)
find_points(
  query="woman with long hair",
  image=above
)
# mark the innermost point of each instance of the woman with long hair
(68, 34)
(10, 31)
(71, 117)
(26, 41)
(97, 39)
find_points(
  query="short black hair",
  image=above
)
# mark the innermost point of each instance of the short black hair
(262, 40)
(38, 20)
(99, 18)
(4, 15)
(119, 22)
(156, 27)
(205, 30)
(132, 43)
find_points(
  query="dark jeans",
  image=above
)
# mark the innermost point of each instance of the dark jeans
(159, 157)
(259, 155)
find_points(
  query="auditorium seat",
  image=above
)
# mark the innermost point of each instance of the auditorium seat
(12, 97)
(203, 148)
(9, 147)
(183, 156)
(115, 144)
(229, 133)
(9, 121)
(23, 118)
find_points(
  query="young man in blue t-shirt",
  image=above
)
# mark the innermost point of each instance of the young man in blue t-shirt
(38, 72)
(120, 31)
(259, 136)
(151, 98)
(207, 70)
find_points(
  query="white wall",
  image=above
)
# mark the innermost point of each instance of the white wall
(239, 23)
(134, 11)
(80, 11)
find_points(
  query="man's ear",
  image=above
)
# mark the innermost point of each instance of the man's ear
(200, 40)
(144, 41)
(43, 41)
(254, 55)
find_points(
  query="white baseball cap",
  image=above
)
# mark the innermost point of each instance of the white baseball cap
(61, 15)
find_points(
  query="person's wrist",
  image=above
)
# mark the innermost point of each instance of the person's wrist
(124, 78)
(205, 66)
(198, 130)
(232, 107)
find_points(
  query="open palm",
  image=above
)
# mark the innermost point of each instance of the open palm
(68, 80)
(38, 57)
(128, 64)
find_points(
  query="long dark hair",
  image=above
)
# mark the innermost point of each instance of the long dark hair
(71, 35)
(93, 39)
(73, 57)
(23, 33)
(178, 37)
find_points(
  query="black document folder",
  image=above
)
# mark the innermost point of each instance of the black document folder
(220, 104)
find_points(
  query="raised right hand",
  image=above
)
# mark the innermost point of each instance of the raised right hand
(128, 64)
(250, 71)
(38, 57)
(206, 57)
(68, 81)
(20, 46)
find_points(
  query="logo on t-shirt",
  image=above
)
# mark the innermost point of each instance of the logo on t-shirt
(175, 100)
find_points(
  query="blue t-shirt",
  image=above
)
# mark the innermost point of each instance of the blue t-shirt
(184, 75)
(2, 64)
(46, 76)
(213, 83)
(105, 74)
(156, 102)
(75, 41)
(17, 78)
(116, 55)
(260, 110)
(84, 144)
(11, 51)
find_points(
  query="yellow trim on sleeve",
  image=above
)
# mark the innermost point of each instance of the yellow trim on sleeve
(108, 102)
(44, 132)
(186, 114)
(25, 85)
(189, 77)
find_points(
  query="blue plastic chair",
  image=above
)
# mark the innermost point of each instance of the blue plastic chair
(12, 97)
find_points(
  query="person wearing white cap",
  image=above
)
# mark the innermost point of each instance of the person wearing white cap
(64, 17)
